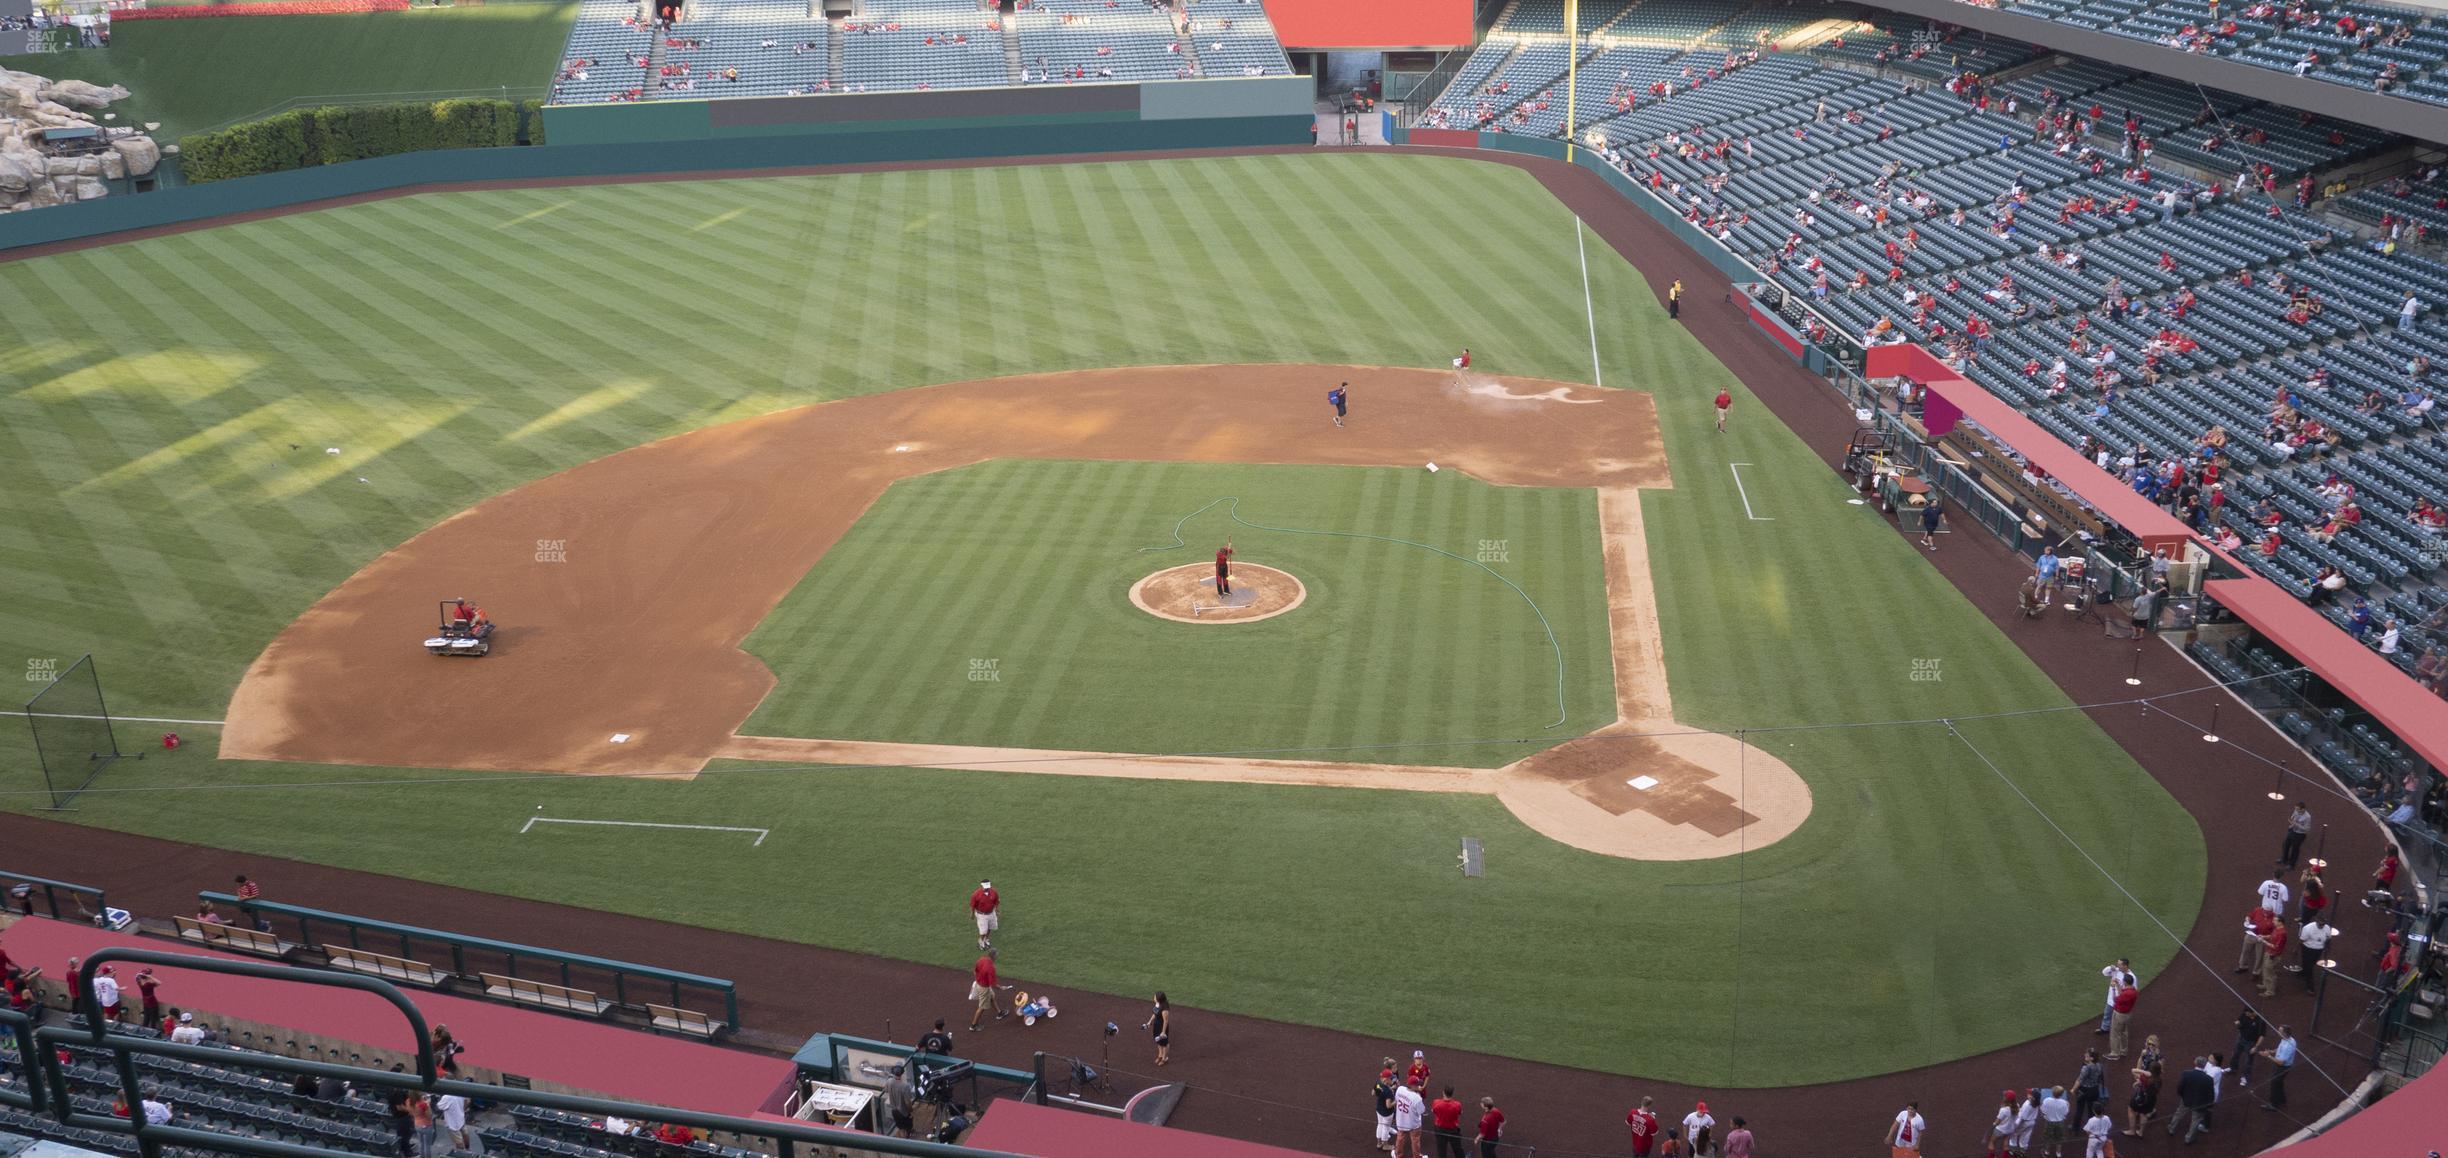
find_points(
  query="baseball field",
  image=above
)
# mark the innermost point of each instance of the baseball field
(771, 478)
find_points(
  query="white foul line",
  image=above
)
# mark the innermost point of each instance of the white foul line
(128, 719)
(762, 833)
(1597, 376)
(1736, 467)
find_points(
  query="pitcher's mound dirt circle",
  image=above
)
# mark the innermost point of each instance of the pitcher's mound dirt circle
(1188, 594)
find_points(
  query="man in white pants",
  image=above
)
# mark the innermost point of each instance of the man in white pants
(985, 905)
(453, 1110)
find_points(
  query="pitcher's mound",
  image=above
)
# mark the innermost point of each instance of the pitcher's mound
(1188, 594)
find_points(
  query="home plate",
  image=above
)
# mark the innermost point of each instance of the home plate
(620, 737)
(1644, 783)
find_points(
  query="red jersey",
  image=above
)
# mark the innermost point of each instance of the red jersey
(1223, 555)
(250, 890)
(1417, 1074)
(1491, 1125)
(1446, 1113)
(985, 972)
(1644, 1131)
(2126, 995)
(984, 901)
(1465, 359)
(1725, 400)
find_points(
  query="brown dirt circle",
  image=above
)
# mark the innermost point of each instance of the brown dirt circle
(1186, 594)
(589, 646)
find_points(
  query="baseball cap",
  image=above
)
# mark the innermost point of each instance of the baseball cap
(185, 1018)
(985, 884)
(2012, 1094)
(1419, 1053)
(1702, 1107)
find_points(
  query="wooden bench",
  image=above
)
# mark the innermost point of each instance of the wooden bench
(544, 994)
(387, 968)
(686, 1021)
(243, 940)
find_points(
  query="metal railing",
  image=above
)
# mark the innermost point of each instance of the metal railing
(621, 973)
(48, 1090)
(22, 890)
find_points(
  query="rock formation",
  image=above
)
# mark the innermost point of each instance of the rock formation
(33, 176)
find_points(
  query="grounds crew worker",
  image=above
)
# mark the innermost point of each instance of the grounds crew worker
(1674, 299)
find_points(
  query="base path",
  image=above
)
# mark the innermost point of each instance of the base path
(666, 556)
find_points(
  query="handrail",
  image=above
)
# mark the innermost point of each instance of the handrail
(51, 890)
(621, 971)
(150, 1138)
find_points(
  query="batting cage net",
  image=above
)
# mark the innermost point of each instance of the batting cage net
(72, 731)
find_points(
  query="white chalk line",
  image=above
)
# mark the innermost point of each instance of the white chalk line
(1588, 306)
(762, 833)
(125, 719)
(1736, 467)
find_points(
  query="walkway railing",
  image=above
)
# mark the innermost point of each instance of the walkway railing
(49, 1093)
(22, 891)
(316, 926)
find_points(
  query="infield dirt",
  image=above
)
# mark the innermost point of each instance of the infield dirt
(662, 559)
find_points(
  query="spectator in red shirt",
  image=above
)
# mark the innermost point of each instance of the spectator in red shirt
(2383, 881)
(1491, 1127)
(1418, 1073)
(982, 905)
(248, 893)
(1644, 1123)
(148, 986)
(1445, 1121)
(982, 989)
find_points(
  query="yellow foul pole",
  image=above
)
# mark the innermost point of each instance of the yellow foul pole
(1572, 75)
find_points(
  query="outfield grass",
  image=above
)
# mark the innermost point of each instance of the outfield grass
(1400, 653)
(166, 403)
(189, 75)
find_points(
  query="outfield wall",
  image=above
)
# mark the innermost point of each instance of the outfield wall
(667, 137)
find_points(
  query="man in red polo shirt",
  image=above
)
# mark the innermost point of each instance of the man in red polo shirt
(982, 905)
(1445, 1121)
(982, 989)
(1644, 1125)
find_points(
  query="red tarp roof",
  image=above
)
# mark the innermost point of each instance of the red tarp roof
(2409, 1122)
(1018, 1127)
(1326, 25)
(2114, 500)
(2392, 697)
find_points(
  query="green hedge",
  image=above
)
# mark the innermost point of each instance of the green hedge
(326, 136)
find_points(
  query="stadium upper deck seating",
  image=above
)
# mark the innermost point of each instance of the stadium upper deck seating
(1085, 40)
(727, 48)
(911, 44)
(2343, 43)
(1235, 38)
